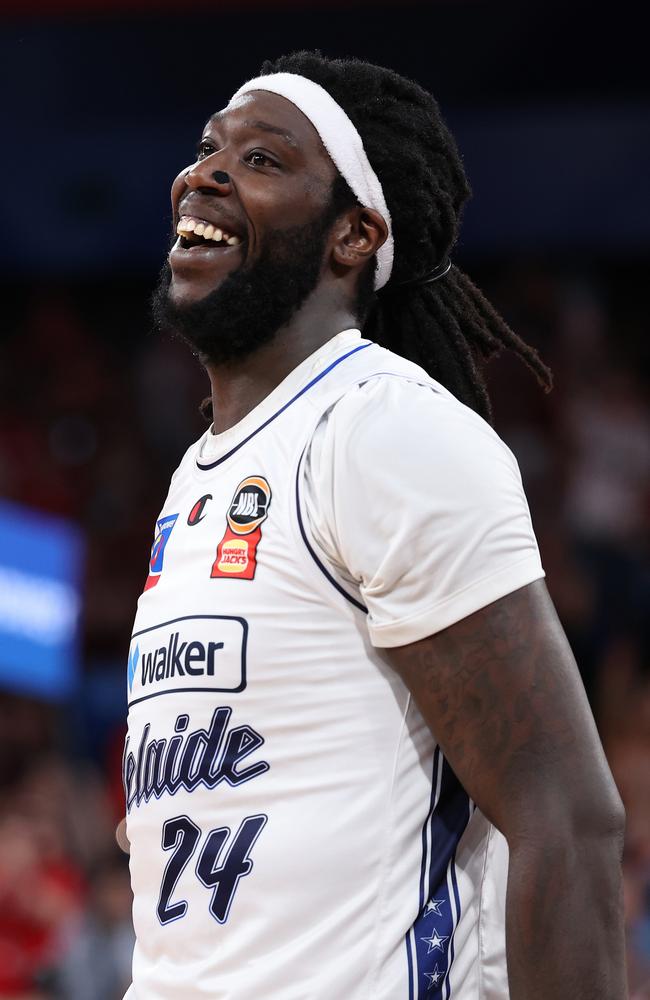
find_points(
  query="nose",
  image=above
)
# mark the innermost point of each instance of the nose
(203, 175)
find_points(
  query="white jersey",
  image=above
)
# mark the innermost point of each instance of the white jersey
(296, 833)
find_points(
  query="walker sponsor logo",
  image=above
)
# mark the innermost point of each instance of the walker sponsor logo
(202, 652)
(179, 659)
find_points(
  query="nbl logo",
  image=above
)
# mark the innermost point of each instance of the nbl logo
(249, 506)
(246, 506)
(237, 550)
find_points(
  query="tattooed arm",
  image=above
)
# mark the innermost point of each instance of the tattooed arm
(501, 692)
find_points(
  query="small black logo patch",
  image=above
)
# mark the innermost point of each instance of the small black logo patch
(249, 505)
(197, 512)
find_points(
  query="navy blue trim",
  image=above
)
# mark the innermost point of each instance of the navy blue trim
(409, 959)
(320, 565)
(426, 852)
(454, 883)
(326, 371)
(425, 827)
(434, 930)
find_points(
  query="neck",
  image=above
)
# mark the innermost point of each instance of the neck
(238, 386)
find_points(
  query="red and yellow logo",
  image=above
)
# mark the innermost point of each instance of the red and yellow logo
(237, 550)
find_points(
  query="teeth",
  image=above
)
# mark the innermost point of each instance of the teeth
(187, 224)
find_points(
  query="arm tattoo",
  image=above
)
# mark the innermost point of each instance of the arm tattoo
(501, 693)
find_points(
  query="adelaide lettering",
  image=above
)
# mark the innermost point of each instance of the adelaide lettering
(190, 758)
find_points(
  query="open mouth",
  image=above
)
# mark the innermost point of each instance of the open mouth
(197, 233)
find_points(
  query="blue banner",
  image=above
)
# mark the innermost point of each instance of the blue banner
(40, 568)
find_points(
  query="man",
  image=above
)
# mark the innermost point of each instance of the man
(360, 762)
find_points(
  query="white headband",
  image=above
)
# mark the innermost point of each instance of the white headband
(342, 142)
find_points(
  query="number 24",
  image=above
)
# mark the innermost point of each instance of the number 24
(181, 836)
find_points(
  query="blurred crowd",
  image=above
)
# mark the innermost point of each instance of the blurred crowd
(95, 412)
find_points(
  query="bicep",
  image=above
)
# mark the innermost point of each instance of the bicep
(502, 695)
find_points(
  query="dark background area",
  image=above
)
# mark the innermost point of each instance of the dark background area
(550, 106)
(103, 104)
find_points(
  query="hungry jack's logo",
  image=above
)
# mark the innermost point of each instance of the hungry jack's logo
(164, 529)
(237, 550)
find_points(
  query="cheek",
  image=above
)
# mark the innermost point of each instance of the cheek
(274, 204)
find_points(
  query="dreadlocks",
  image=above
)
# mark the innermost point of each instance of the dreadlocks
(447, 326)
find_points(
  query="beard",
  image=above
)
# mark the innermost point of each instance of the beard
(253, 303)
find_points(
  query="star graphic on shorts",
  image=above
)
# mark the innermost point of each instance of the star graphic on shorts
(433, 906)
(435, 941)
(434, 977)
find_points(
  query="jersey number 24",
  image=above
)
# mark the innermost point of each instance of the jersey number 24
(181, 836)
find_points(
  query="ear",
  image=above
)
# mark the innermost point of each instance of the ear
(357, 237)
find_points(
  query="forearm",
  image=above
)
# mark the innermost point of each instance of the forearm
(564, 921)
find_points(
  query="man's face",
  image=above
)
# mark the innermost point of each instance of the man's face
(254, 214)
(280, 178)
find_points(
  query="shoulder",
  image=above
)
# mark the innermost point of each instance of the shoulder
(415, 498)
(402, 412)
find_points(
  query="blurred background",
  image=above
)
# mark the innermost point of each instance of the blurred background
(103, 103)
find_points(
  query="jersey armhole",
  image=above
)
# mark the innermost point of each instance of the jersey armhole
(331, 582)
(313, 551)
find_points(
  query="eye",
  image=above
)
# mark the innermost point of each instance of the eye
(205, 148)
(257, 158)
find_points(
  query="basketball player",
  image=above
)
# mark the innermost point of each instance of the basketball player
(360, 764)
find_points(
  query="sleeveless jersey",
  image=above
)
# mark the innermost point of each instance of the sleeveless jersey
(296, 833)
